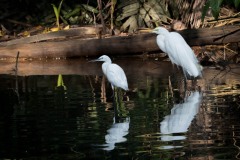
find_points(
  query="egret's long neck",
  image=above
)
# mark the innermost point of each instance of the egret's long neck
(161, 42)
(104, 67)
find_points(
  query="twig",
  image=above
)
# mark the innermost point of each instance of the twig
(17, 22)
(16, 74)
(101, 15)
(170, 85)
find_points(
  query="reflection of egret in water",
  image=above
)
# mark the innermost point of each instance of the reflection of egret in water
(116, 133)
(120, 125)
(181, 117)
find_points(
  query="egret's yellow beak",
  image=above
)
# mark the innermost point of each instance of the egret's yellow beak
(155, 30)
(145, 30)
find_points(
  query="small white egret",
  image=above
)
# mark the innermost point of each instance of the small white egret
(179, 52)
(114, 73)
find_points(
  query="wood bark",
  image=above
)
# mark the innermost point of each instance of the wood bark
(118, 45)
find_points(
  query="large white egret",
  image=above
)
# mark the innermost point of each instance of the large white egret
(114, 73)
(179, 52)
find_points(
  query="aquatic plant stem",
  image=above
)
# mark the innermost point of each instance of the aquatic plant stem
(16, 74)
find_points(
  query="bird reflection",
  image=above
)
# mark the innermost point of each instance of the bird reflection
(116, 133)
(181, 117)
(119, 128)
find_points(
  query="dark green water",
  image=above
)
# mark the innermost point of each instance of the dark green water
(152, 121)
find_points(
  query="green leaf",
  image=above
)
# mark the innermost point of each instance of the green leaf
(236, 3)
(74, 12)
(55, 11)
(60, 82)
(59, 7)
(56, 14)
(130, 23)
(90, 8)
(215, 8)
(128, 11)
(205, 9)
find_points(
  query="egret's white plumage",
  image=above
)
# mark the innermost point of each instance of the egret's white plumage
(114, 73)
(179, 52)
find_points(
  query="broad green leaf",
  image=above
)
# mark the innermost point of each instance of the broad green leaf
(60, 82)
(205, 9)
(236, 3)
(74, 12)
(59, 7)
(131, 22)
(142, 13)
(215, 6)
(129, 11)
(55, 11)
(56, 14)
(90, 8)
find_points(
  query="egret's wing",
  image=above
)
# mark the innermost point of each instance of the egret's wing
(181, 54)
(116, 76)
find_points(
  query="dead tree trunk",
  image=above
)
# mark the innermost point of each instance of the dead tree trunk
(118, 45)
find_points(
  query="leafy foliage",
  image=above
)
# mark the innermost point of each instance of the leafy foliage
(236, 3)
(135, 14)
(57, 12)
(215, 5)
(129, 15)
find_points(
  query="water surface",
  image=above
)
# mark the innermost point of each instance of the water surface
(159, 118)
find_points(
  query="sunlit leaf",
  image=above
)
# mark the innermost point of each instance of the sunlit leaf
(66, 28)
(145, 16)
(26, 34)
(60, 82)
(129, 11)
(59, 7)
(74, 12)
(130, 23)
(146, 13)
(54, 29)
(55, 11)
(90, 8)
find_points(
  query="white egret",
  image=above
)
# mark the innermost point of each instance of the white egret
(179, 52)
(114, 73)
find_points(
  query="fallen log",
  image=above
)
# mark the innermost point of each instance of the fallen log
(81, 32)
(118, 45)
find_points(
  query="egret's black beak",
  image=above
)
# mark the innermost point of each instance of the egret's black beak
(94, 60)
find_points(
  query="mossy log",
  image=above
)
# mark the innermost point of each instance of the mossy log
(117, 45)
